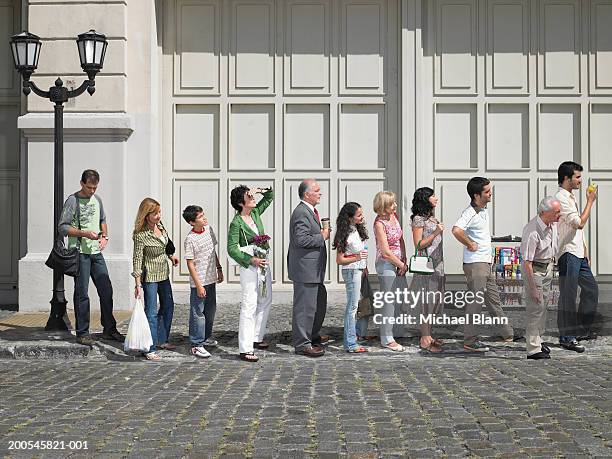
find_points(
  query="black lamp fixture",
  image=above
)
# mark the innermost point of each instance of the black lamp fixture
(26, 52)
(92, 49)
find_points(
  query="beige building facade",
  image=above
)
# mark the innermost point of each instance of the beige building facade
(197, 96)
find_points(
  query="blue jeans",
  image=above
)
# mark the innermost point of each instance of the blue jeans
(574, 272)
(93, 266)
(159, 320)
(387, 277)
(202, 314)
(352, 278)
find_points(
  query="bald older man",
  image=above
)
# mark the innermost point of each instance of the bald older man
(538, 247)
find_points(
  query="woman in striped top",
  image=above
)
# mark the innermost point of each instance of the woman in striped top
(152, 273)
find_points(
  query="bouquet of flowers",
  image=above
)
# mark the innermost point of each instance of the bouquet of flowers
(260, 250)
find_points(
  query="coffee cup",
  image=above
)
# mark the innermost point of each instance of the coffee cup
(325, 223)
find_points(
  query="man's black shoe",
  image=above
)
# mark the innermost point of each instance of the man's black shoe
(114, 335)
(545, 349)
(587, 337)
(86, 340)
(573, 346)
(539, 356)
(311, 351)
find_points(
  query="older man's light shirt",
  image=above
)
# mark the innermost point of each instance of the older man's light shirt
(539, 241)
(571, 237)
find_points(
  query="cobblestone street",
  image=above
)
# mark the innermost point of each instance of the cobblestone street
(381, 404)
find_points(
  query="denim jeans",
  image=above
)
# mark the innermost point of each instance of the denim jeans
(202, 314)
(361, 326)
(387, 278)
(352, 278)
(574, 272)
(93, 266)
(159, 320)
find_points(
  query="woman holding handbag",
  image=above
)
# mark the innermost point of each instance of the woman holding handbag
(427, 236)
(352, 255)
(152, 250)
(390, 260)
(256, 300)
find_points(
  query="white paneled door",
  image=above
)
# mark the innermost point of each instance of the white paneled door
(269, 92)
(509, 90)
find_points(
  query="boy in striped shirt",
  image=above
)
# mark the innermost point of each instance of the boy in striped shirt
(204, 273)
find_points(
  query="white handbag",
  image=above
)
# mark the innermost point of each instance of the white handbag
(248, 249)
(420, 264)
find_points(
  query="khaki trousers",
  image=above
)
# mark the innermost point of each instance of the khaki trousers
(480, 279)
(535, 322)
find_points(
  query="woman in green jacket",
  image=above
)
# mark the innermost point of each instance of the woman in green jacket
(255, 306)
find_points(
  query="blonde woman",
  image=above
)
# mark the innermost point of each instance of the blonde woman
(152, 273)
(390, 260)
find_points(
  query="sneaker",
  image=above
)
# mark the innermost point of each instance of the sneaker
(210, 342)
(573, 346)
(199, 351)
(475, 346)
(85, 340)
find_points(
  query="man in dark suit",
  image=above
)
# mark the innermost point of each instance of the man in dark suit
(306, 262)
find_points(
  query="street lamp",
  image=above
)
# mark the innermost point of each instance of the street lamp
(26, 51)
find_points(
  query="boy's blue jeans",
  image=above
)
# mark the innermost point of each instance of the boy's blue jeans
(202, 314)
(159, 320)
(572, 321)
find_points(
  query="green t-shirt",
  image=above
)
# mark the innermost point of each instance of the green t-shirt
(90, 221)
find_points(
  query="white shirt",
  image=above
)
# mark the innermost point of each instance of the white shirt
(571, 237)
(310, 206)
(354, 244)
(476, 227)
(200, 247)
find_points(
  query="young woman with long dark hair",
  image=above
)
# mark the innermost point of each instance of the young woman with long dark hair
(427, 234)
(352, 255)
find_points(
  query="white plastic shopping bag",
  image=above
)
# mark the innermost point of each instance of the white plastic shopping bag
(138, 337)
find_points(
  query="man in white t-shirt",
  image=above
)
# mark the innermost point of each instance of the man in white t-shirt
(472, 230)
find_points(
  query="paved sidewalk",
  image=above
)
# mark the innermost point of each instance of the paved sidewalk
(380, 404)
(20, 339)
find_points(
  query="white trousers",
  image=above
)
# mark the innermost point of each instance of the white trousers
(254, 308)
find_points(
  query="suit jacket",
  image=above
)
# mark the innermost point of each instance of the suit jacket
(307, 256)
(240, 234)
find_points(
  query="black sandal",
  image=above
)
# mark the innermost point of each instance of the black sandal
(261, 345)
(248, 357)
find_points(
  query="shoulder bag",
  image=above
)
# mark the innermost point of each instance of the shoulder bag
(420, 264)
(66, 260)
(248, 249)
(170, 248)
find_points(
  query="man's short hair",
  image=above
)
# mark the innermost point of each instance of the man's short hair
(547, 204)
(90, 175)
(567, 169)
(191, 213)
(305, 187)
(476, 186)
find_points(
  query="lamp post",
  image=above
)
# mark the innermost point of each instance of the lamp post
(26, 51)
